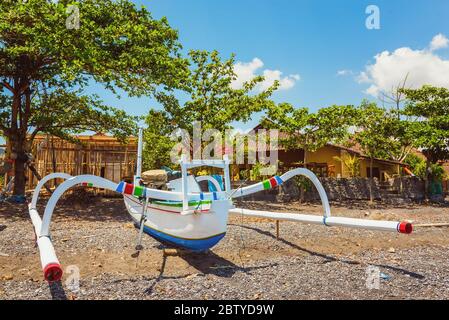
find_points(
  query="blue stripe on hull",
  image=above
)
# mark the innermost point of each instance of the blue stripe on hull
(191, 244)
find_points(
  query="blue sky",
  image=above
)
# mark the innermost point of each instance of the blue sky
(314, 40)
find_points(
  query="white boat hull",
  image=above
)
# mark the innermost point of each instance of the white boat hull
(198, 231)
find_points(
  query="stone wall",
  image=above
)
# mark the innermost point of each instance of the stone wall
(409, 187)
(396, 190)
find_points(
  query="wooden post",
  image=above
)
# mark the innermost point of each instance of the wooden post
(277, 229)
(53, 161)
(126, 174)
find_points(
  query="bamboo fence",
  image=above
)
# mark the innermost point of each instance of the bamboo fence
(98, 155)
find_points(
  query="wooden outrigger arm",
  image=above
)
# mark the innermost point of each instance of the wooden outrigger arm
(326, 219)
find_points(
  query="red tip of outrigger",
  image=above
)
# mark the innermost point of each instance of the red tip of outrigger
(405, 227)
(53, 272)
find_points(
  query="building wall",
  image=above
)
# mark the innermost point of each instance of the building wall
(327, 155)
(390, 169)
(97, 155)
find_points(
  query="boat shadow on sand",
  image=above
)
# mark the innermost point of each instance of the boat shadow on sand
(328, 258)
(207, 263)
(57, 291)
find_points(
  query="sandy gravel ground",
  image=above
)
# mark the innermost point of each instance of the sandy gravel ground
(306, 262)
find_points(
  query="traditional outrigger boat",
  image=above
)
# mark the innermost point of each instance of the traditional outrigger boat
(185, 216)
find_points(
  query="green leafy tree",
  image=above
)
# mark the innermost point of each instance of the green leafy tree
(373, 134)
(65, 113)
(401, 137)
(310, 131)
(158, 143)
(208, 98)
(431, 131)
(418, 167)
(48, 52)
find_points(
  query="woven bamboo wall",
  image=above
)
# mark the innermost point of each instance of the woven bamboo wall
(99, 155)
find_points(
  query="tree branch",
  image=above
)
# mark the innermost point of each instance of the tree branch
(8, 86)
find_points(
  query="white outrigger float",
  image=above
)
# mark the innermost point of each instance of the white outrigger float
(185, 216)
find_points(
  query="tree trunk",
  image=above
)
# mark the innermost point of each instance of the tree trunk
(371, 182)
(301, 186)
(426, 180)
(21, 158)
(17, 135)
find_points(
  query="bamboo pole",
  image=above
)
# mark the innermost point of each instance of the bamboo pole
(429, 225)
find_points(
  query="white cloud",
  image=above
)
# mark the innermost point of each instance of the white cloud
(421, 66)
(344, 72)
(438, 42)
(285, 83)
(246, 71)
